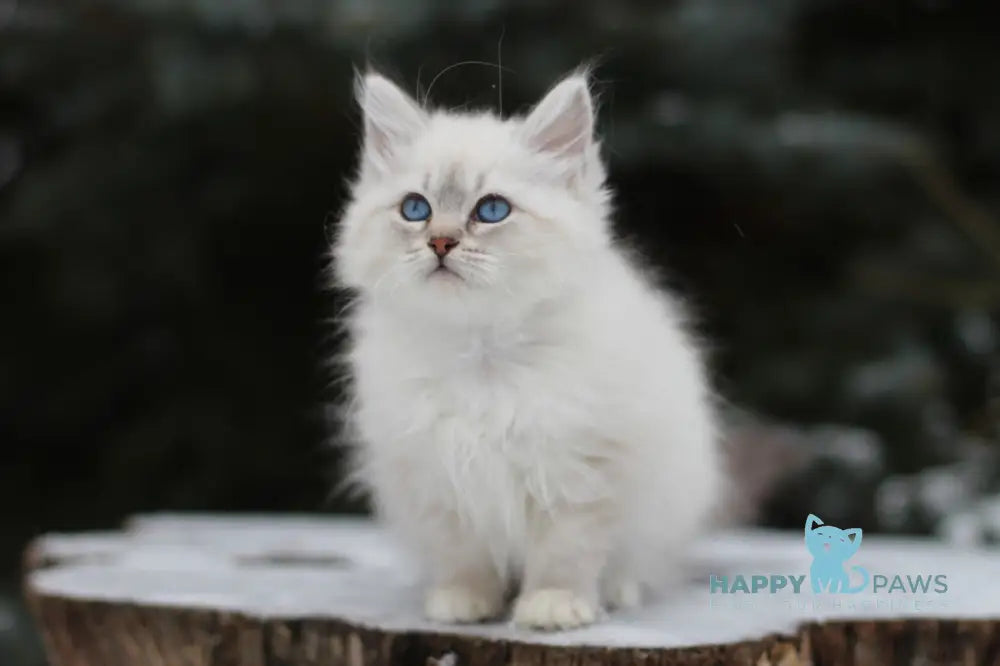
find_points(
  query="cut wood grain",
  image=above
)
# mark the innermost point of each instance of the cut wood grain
(206, 590)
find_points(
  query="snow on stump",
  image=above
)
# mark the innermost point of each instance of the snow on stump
(205, 590)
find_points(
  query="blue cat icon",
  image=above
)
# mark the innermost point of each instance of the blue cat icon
(831, 547)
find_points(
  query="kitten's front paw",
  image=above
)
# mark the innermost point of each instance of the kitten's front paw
(553, 608)
(455, 603)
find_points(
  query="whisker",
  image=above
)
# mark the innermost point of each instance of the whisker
(453, 66)
(393, 270)
(500, 71)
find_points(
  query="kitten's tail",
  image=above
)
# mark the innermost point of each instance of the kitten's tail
(864, 582)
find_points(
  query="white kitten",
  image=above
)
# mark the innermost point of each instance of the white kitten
(526, 403)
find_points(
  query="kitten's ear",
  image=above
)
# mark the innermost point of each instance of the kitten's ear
(562, 124)
(391, 117)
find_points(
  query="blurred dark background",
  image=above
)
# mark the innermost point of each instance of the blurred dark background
(819, 176)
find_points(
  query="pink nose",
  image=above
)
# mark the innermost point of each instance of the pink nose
(442, 245)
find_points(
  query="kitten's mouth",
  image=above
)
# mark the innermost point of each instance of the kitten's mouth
(444, 272)
(826, 546)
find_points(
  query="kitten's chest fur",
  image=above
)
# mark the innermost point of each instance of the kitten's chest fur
(483, 383)
(487, 422)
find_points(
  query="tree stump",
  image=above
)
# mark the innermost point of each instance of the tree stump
(208, 590)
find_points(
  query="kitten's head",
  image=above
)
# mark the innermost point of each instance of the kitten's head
(467, 213)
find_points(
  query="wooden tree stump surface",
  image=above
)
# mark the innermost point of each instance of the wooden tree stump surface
(206, 590)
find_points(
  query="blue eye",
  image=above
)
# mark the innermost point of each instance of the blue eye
(492, 208)
(415, 208)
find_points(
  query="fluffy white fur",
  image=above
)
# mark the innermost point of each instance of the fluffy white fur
(537, 416)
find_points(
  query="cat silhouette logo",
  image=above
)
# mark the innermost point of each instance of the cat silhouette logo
(831, 547)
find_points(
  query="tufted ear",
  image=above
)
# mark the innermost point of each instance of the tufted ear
(562, 124)
(392, 119)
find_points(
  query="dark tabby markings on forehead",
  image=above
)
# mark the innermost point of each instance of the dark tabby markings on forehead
(452, 193)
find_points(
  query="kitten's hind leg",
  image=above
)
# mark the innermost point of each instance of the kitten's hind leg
(620, 589)
(620, 592)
